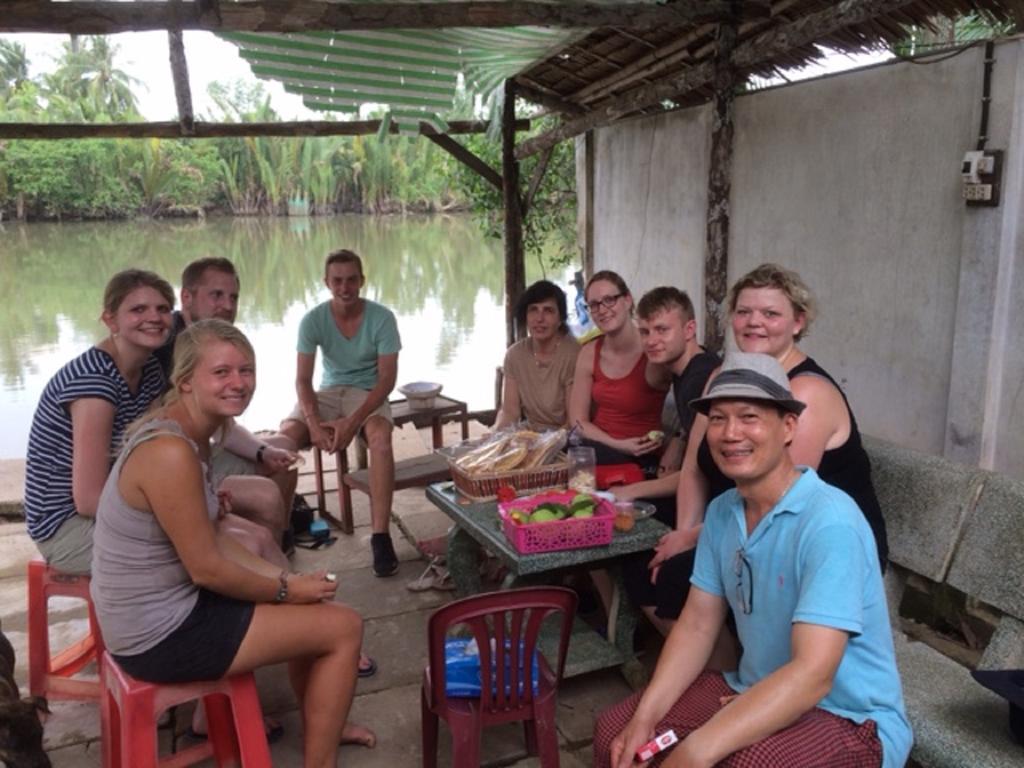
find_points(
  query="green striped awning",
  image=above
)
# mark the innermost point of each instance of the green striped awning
(413, 73)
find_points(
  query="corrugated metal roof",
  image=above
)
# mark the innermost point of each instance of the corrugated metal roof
(413, 73)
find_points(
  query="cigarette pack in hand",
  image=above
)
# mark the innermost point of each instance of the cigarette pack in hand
(656, 745)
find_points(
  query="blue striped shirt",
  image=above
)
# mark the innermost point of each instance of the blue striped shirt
(93, 374)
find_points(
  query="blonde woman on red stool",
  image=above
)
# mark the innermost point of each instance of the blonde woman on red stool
(176, 601)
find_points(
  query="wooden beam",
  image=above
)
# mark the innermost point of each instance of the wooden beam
(716, 257)
(758, 50)
(466, 157)
(648, 65)
(536, 180)
(642, 97)
(515, 268)
(653, 65)
(179, 75)
(104, 17)
(555, 103)
(201, 130)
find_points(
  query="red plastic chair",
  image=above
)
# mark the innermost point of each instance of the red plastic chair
(499, 622)
(129, 710)
(48, 676)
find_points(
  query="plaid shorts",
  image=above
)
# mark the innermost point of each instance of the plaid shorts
(818, 739)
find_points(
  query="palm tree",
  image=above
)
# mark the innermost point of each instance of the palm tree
(87, 74)
(13, 66)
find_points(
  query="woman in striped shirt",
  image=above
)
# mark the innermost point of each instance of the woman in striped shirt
(82, 415)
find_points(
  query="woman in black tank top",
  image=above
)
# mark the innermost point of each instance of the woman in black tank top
(771, 309)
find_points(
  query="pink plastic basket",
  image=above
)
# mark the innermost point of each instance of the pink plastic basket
(571, 533)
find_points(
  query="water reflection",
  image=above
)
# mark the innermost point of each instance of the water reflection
(439, 275)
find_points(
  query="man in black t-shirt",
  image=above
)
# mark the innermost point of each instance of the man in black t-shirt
(668, 328)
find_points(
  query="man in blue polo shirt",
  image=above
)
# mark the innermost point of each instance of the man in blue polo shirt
(360, 343)
(795, 561)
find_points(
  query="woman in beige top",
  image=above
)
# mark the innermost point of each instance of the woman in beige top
(539, 369)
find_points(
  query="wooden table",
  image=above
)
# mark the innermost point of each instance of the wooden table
(477, 526)
(409, 473)
(445, 409)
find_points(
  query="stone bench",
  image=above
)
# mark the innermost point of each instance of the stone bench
(963, 527)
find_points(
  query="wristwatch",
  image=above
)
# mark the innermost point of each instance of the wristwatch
(282, 591)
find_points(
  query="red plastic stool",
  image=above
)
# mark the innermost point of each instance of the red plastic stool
(129, 710)
(50, 677)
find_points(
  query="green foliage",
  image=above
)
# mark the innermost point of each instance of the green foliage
(82, 179)
(13, 66)
(959, 30)
(549, 229)
(251, 176)
(196, 171)
(86, 78)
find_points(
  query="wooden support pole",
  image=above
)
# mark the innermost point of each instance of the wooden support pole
(515, 269)
(716, 259)
(172, 130)
(104, 17)
(466, 157)
(759, 49)
(536, 180)
(589, 157)
(179, 74)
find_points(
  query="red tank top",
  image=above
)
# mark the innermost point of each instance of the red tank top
(626, 407)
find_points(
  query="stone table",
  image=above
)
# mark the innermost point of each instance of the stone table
(477, 526)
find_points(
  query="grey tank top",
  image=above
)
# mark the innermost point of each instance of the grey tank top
(140, 588)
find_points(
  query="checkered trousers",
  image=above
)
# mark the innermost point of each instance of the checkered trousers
(819, 739)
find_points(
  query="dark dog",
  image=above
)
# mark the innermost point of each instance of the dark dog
(21, 733)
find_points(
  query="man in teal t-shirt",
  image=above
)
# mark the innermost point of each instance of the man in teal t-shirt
(360, 344)
(795, 561)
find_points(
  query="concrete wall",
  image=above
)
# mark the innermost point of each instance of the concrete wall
(853, 181)
(650, 192)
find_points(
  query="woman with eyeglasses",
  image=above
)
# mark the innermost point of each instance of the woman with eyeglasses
(617, 395)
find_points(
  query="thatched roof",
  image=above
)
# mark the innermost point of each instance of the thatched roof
(593, 60)
(610, 62)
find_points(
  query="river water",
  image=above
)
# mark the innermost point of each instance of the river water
(441, 277)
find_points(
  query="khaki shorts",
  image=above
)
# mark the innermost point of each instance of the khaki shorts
(70, 547)
(334, 403)
(224, 463)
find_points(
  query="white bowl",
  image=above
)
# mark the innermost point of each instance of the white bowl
(420, 394)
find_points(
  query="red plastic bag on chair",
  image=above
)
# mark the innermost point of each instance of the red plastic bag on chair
(610, 475)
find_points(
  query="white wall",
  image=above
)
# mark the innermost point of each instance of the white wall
(853, 181)
(649, 210)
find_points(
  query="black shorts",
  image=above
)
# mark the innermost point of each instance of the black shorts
(605, 455)
(669, 594)
(202, 648)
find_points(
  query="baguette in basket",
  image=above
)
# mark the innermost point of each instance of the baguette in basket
(545, 448)
(507, 451)
(482, 458)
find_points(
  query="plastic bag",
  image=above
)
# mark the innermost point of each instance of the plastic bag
(462, 669)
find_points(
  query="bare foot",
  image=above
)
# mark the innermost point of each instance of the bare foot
(357, 734)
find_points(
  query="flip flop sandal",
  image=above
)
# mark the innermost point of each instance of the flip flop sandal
(370, 670)
(434, 577)
(273, 732)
